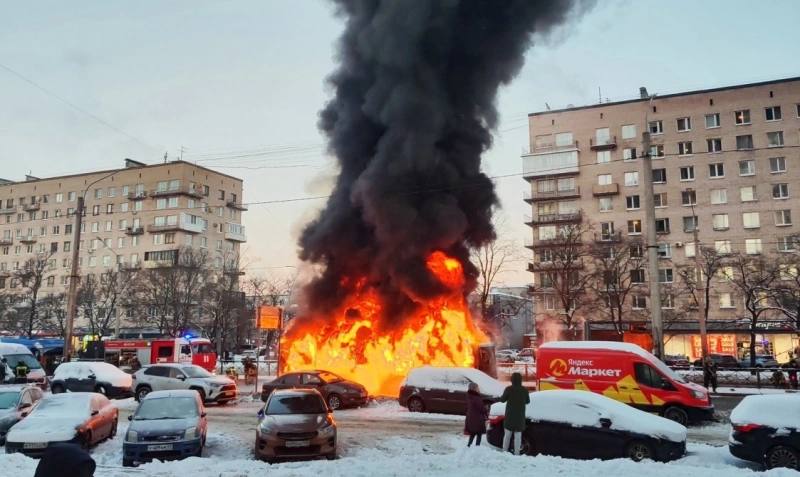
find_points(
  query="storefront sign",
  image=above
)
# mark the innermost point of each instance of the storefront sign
(721, 344)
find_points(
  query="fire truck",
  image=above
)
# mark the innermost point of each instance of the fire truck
(197, 351)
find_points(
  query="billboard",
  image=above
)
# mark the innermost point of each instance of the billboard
(268, 317)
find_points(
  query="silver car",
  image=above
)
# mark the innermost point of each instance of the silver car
(176, 376)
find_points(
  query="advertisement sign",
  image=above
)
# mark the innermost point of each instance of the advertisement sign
(268, 317)
(722, 344)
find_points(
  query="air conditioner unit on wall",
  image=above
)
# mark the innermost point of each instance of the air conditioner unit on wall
(678, 244)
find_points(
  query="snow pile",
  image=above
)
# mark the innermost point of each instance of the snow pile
(104, 372)
(774, 410)
(54, 419)
(583, 408)
(453, 379)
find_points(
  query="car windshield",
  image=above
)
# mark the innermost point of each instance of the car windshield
(61, 405)
(196, 372)
(296, 404)
(330, 377)
(166, 408)
(14, 359)
(9, 400)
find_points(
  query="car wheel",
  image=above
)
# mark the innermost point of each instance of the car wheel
(127, 462)
(201, 393)
(331, 456)
(676, 414)
(415, 404)
(639, 451)
(782, 456)
(142, 391)
(57, 389)
(334, 401)
(526, 447)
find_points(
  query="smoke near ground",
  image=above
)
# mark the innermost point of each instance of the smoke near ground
(413, 107)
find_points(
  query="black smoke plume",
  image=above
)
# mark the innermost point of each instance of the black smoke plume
(413, 108)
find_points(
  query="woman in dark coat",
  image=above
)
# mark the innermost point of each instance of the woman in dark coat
(516, 398)
(475, 424)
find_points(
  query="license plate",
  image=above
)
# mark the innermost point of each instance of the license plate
(297, 443)
(34, 445)
(159, 447)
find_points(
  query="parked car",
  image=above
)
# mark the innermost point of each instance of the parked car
(337, 391)
(167, 425)
(676, 360)
(432, 389)
(721, 360)
(295, 423)
(16, 403)
(766, 429)
(88, 376)
(505, 356)
(762, 361)
(174, 376)
(82, 418)
(14, 353)
(526, 355)
(585, 425)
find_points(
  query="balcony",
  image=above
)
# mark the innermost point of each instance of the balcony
(235, 233)
(605, 189)
(552, 147)
(134, 230)
(554, 219)
(189, 191)
(603, 144)
(235, 205)
(8, 210)
(537, 196)
(546, 164)
(137, 195)
(4, 242)
(31, 207)
(185, 223)
(613, 237)
(28, 239)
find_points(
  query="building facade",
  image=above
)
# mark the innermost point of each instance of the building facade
(726, 162)
(138, 216)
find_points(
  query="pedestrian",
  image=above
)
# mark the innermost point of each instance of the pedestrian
(65, 459)
(4, 374)
(516, 398)
(21, 371)
(709, 373)
(136, 365)
(477, 414)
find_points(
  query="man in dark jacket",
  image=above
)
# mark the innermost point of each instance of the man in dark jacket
(21, 371)
(709, 373)
(475, 424)
(516, 398)
(64, 459)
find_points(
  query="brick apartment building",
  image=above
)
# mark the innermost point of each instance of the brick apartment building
(725, 160)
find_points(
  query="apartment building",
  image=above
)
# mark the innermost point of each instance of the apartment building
(136, 216)
(725, 161)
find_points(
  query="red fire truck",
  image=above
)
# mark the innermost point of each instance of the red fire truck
(197, 351)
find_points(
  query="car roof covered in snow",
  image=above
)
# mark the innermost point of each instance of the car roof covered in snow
(175, 393)
(772, 410)
(434, 377)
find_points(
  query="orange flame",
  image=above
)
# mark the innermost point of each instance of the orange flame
(440, 333)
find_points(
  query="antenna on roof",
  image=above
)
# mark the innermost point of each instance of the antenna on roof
(599, 95)
(547, 106)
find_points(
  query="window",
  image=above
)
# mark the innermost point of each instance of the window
(747, 167)
(720, 221)
(629, 131)
(780, 191)
(662, 226)
(656, 127)
(169, 238)
(783, 217)
(632, 178)
(665, 275)
(687, 173)
(752, 246)
(742, 117)
(689, 249)
(96, 210)
(603, 157)
(158, 239)
(98, 193)
(722, 246)
(59, 197)
(684, 124)
(604, 204)
(606, 230)
(92, 261)
(688, 197)
(689, 223)
(668, 301)
(660, 199)
(719, 196)
(629, 154)
(603, 179)
(798, 109)
(95, 227)
(634, 227)
(562, 139)
(106, 261)
(172, 202)
(632, 202)
(657, 151)
(659, 176)
(714, 144)
(712, 120)
(161, 204)
(725, 300)
(775, 139)
(549, 302)
(716, 170)
(685, 148)
(602, 135)
(547, 232)
(777, 165)
(744, 142)
(772, 113)
(786, 244)
(638, 302)
(636, 251)
(109, 208)
(637, 275)
(751, 220)
(747, 193)
(664, 250)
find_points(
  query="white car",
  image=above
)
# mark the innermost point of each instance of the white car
(92, 376)
(175, 376)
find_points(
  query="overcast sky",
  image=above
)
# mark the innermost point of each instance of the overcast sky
(238, 85)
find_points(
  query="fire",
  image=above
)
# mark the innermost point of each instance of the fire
(440, 333)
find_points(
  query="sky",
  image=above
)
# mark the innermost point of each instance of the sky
(237, 86)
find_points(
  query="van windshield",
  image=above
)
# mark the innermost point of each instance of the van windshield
(14, 359)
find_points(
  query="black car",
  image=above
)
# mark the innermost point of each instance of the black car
(766, 430)
(337, 391)
(721, 360)
(585, 425)
(444, 390)
(15, 403)
(92, 376)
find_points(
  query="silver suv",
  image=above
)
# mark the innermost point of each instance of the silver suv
(173, 376)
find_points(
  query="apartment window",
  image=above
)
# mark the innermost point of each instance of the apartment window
(786, 244)
(688, 197)
(109, 208)
(722, 246)
(121, 242)
(714, 144)
(777, 165)
(603, 157)
(629, 131)
(638, 302)
(96, 210)
(662, 226)
(660, 199)
(775, 139)
(747, 193)
(547, 232)
(689, 249)
(659, 176)
(137, 206)
(656, 127)
(632, 202)
(657, 151)
(719, 196)
(689, 223)
(744, 142)
(604, 179)
(106, 261)
(98, 193)
(169, 238)
(112, 191)
(59, 197)
(685, 148)
(632, 178)
(772, 113)
(602, 135)
(752, 246)
(783, 217)
(687, 173)
(664, 250)
(720, 221)
(95, 227)
(684, 124)
(636, 251)
(629, 154)
(605, 205)
(634, 227)
(747, 167)
(562, 139)
(725, 300)
(665, 275)
(751, 220)
(780, 191)
(172, 202)
(742, 116)
(123, 207)
(161, 203)
(637, 275)
(67, 246)
(92, 261)
(712, 120)
(158, 239)
(71, 196)
(606, 230)
(716, 170)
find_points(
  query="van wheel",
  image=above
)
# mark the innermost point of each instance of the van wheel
(674, 413)
(638, 451)
(415, 404)
(142, 391)
(782, 456)
(57, 389)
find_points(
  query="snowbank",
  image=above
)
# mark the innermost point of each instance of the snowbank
(453, 379)
(775, 410)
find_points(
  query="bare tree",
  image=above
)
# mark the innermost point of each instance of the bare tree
(9, 317)
(786, 292)
(617, 264)
(491, 259)
(101, 297)
(223, 305)
(270, 291)
(31, 277)
(54, 313)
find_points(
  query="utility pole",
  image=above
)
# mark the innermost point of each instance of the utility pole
(652, 247)
(699, 288)
(74, 277)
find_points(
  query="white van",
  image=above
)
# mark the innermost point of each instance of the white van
(13, 354)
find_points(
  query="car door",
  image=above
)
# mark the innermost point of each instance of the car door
(96, 423)
(456, 397)
(84, 379)
(157, 377)
(312, 380)
(435, 392)
(177, 379)
(583, 436)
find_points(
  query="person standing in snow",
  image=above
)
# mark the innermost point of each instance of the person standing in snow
(516, 398)
(65, 459)
(475, 423)
(709, 373)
